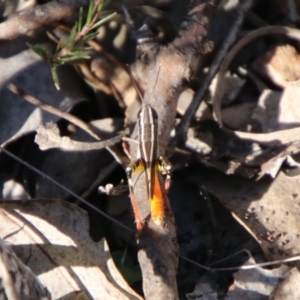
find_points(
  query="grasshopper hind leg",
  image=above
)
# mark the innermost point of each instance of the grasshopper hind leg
(137, 216)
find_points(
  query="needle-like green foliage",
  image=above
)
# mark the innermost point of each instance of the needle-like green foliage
(75, 46)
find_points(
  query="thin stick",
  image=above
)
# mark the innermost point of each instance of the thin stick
(74, 120)
(247, 267)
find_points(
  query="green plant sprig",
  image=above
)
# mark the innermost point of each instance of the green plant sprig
(74, 47)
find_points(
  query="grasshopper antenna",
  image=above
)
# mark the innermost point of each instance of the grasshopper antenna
(155, 81)
(136, 87)
(134, 83)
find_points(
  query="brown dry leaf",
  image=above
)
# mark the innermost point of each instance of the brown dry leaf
(52, 237)
(268, 209)
(272, 166)
(280, 64)
(237, 116)
(110, 78)
(16, 280)
(256, 284)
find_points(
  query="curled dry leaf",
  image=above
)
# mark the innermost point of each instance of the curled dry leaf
(48, 137)
(52, 237)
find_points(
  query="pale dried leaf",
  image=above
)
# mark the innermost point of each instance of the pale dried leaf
(52, 237)
(27, 70)
(270, 160)
(13, 190)
(288, 287)
(20, 117)
(108, 77)
(279, 110)
(203, 291)
(200, 140)
(255, 284)
(16, 280)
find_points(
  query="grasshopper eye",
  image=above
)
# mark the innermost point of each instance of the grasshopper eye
(154, 112)
(139, 114)
(147, 114)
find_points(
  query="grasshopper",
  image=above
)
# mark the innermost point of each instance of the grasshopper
(149, 161)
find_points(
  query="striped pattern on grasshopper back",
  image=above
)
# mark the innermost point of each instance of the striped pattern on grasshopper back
(149, 161)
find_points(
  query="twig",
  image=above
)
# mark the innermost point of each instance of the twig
(53, 110)
(33, 18)
(181, 131)
(246, 267)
